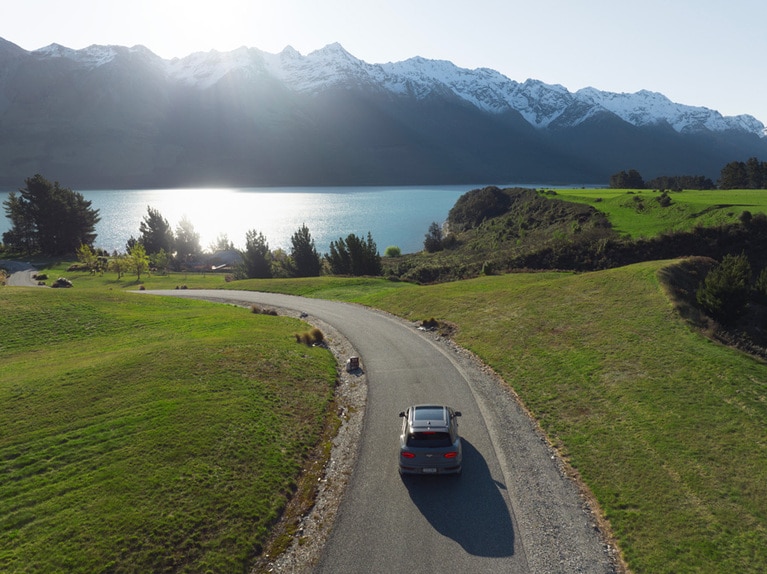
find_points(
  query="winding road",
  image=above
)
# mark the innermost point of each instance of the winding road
(513, 510)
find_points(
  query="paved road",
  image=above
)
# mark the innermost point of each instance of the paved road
(511, 511)
(20, 273)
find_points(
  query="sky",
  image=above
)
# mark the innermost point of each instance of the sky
(697, 52)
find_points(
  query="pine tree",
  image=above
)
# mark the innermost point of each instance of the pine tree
(155, 232)
(306, 261)
(256, 259)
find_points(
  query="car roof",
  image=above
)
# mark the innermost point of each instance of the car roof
(429, 415)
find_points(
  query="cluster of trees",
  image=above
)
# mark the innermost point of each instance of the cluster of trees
(751, 174)
(48, 218)
(354, 256)
(258, 261)
(632, 179)
(350, 256)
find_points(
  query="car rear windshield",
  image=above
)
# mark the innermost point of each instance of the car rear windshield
(436, 414)
(429, 439)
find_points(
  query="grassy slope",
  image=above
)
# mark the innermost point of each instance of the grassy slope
(145, 434)
(666, 428)
(638, 214)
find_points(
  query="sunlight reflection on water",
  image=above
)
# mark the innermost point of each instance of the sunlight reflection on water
(393, 215)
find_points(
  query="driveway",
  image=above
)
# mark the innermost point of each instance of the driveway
(20, 273)
(512, 510)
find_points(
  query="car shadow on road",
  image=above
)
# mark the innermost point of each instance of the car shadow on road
(469, 508)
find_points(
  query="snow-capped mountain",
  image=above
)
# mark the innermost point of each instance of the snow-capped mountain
(327, 117)
(539, 103)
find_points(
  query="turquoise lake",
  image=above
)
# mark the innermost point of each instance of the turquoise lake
(393, 215)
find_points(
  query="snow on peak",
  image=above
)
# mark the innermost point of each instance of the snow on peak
(93, 56)
(541, 104)
(647, 108)
(205, 69)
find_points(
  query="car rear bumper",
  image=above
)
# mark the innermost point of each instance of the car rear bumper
(430, 470)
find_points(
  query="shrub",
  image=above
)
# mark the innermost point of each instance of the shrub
(310, 338)
(261, 311)
(724, 292)
(317, 335)
(450, 241)
(760, 288)
(393, 251)
(664, 199)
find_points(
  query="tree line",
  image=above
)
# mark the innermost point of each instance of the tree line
(751, 174)
(49, 219)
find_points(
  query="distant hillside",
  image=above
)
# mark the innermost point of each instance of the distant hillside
(112, 116)
(493, 230)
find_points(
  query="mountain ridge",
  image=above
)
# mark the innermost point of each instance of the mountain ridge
(269, 115)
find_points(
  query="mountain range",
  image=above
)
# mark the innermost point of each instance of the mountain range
(120, 117)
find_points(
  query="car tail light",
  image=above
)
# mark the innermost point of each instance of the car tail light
(408, 455)
(451, 454)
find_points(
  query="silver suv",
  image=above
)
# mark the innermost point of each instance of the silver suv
(429, 441)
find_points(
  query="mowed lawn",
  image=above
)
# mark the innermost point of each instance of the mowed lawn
(142, 434)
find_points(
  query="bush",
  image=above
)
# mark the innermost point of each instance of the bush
(760, 288)
(310, 338)
(393, 251)
(317, 335)
(725, 290)
(261, 311)
(62, 282)
(664, 199)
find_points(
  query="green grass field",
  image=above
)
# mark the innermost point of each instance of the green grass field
(665, 427)
(148, 434)
(104, 460)
(637, 213)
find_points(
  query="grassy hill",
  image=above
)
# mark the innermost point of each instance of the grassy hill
(665, 427)
(492, 230)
